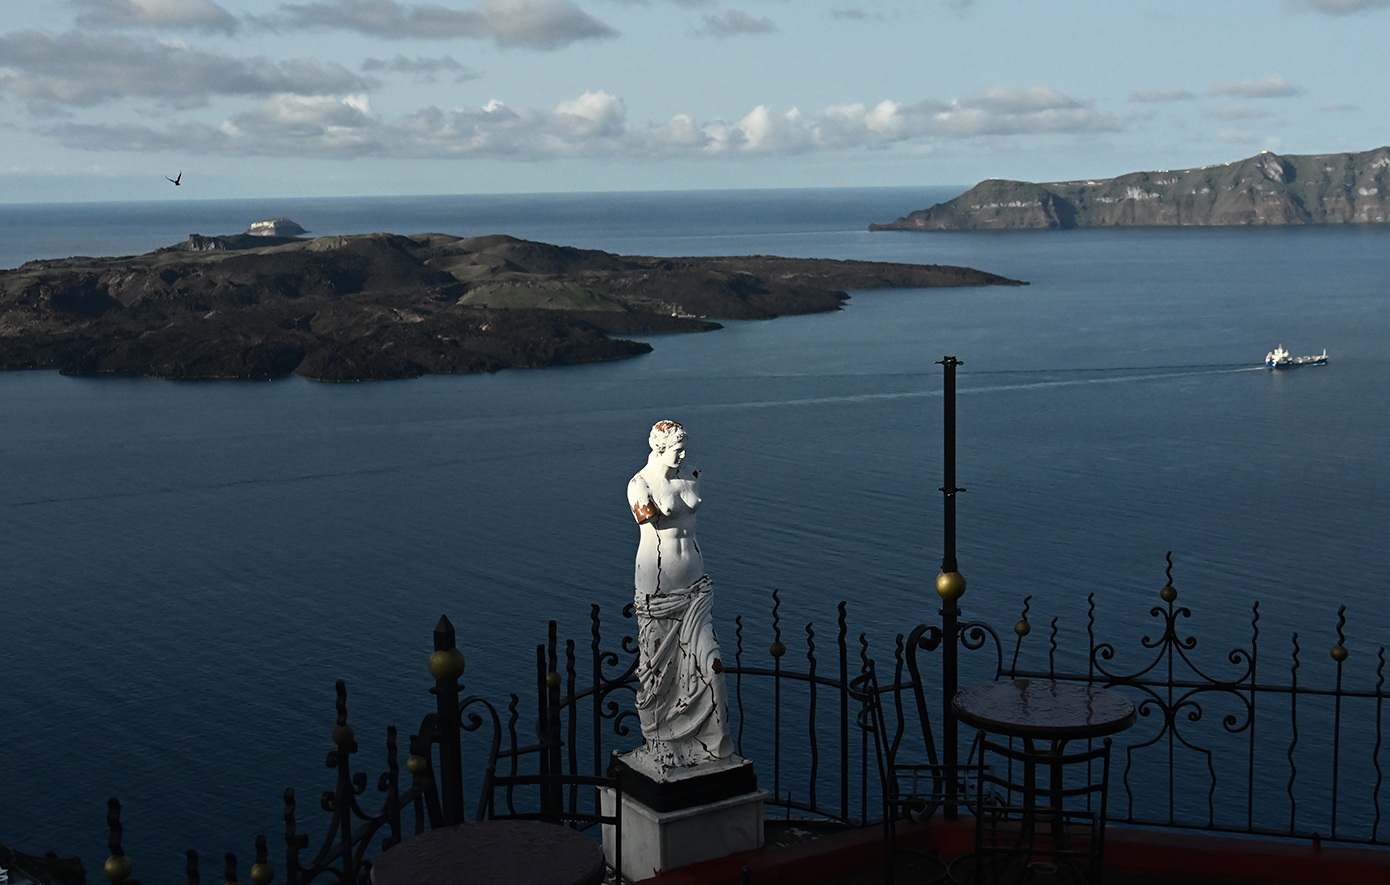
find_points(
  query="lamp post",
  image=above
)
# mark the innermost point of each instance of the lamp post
(949, 586)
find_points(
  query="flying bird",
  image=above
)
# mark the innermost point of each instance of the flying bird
(176, 181)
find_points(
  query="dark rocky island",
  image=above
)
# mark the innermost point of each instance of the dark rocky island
(357, 308)
(1266, 189)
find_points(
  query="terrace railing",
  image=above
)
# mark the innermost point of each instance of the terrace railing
(584, 712)
(1236, 740)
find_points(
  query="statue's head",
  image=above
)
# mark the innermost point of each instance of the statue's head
(665, 434)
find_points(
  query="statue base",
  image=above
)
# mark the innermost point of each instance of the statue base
(674, 817)
(672, 789)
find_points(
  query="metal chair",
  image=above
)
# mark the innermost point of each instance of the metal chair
(1040, 810)
(912, 790)
(559, 803)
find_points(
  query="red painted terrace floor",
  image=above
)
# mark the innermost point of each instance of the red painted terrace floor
(1132, 857)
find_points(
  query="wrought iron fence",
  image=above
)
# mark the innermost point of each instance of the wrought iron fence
(1240, 741)
(584, 713)
(1236, 739)
(352, 831)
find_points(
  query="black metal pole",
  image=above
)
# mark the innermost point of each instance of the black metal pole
(949, 586)
(446, 666)
(948, 459)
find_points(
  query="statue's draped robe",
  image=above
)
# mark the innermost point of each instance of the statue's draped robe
(682, 702)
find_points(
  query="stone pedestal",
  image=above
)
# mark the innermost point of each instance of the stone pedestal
(684, 816)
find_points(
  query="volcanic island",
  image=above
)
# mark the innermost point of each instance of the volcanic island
(381, 306)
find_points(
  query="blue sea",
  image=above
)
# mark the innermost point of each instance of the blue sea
(186, 567)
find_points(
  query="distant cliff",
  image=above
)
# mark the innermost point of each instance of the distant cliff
(1265, 189)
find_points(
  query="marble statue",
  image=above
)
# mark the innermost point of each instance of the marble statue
(681, 701)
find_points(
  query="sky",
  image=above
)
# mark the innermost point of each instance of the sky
(104, 99)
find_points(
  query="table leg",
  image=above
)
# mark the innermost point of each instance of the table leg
(1033, 799)
(1028, 824)
(1059, 823)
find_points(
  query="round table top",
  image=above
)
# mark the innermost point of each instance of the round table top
(517, 852)
(1044, 708)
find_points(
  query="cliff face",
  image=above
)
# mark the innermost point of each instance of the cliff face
(1265, 189)
(385, 306)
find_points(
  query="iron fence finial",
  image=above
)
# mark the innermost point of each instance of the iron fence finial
(1169, 593)
(262, 873)
(118, 867)
(1339, 651)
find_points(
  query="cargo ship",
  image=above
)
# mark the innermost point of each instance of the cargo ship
(1279, 358)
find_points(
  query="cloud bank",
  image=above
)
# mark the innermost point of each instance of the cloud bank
(196, 15)
(426, 70)
(594, 124)
(529, 24)
(1269, 87)
(733, 23)
(1162, 95)
(82, 70)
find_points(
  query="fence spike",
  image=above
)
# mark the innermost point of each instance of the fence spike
(118, 867)
(262, 873)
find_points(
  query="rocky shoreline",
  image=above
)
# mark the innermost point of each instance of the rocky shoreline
(380, 306)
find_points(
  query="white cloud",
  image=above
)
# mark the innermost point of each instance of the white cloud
(1013, 100)
(596, 124)
(733, 23)
(426, 70)
(1341, 7)
(84, 70)
(532, 24)
(1269, 87)
(198, 15)
(1014, 111)
(592, 115)
(1161, 95)
(1340, 106)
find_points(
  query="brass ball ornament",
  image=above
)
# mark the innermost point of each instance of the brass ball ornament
(1339, 652)
(950, 585)
(117, 869)
(552, 679)
(1168, 593)
(416, 764)
(343, 735)
(262, 874)
(1023, 628)
(446, 664)
(777, 649)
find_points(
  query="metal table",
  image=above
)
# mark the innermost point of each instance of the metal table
(517, 852)
(1049, 710)
(1044, 708)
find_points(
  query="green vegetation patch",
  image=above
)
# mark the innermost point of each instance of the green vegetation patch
(539, 294)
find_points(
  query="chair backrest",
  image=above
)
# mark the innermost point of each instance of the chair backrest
(872, 717)
(864, 689)
(911, 781)
(922, 638)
